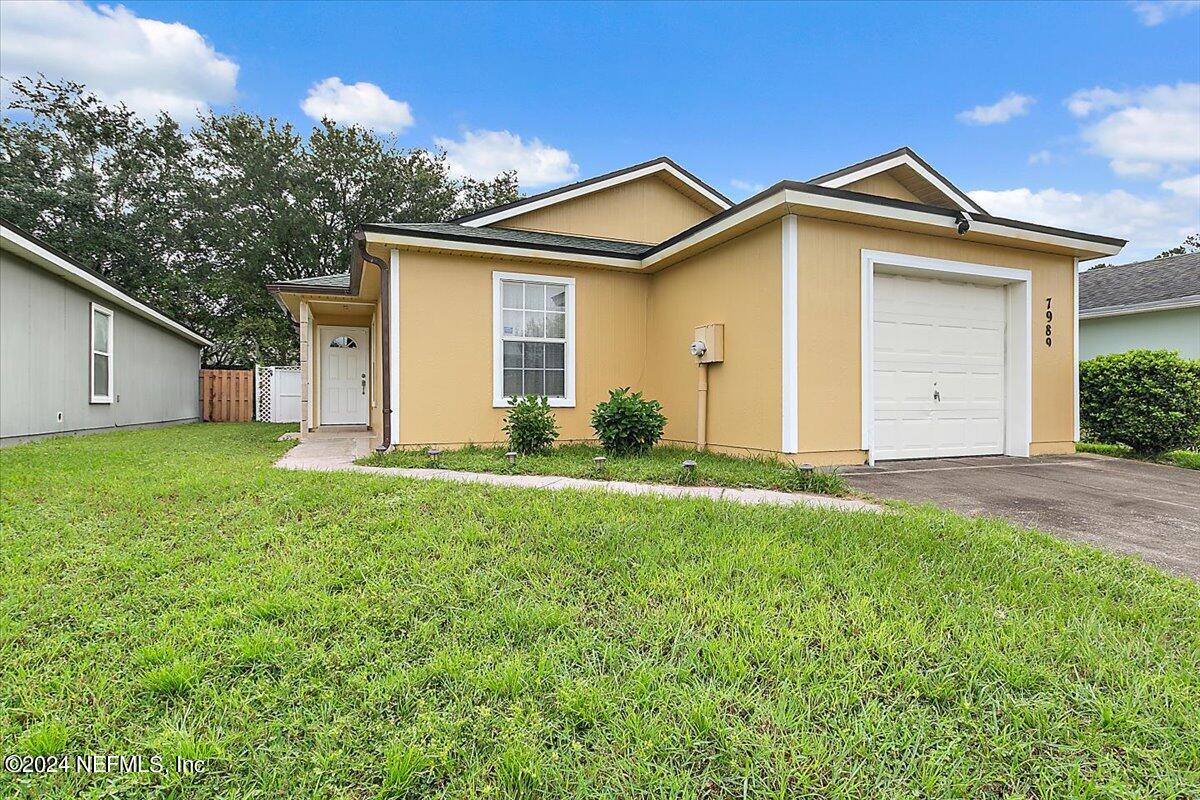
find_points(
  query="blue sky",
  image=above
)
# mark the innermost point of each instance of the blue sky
(1085, 115)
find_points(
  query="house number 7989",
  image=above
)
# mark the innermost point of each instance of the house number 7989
(1049, 319)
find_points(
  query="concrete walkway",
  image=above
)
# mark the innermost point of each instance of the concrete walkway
(336, 452)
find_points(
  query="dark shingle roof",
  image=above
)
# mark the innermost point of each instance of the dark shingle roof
(515, 238)
(339, 281)
(1126, 285)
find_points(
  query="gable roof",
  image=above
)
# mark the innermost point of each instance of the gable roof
(661, 166)
(32, 249)
(1156, 285)
(782, 198)
(912, 172)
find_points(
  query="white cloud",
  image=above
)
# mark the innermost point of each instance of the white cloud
(1041, 157)
(147, 64)
(1156, 12)
(749, 187)
(1150, 223)
(1184, 187)
(357, 104)
(1085, 101)
(1146, 130)
(1004, 109)
(485, 154)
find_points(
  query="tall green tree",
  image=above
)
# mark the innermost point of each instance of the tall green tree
(101, 184)
(197, 221)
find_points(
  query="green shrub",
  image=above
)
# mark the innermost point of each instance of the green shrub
(1146, 399)
(626, 424)
(530, 424)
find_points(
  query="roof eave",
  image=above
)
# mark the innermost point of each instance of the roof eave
(1173, 304)
(44, 255)
(785, 197)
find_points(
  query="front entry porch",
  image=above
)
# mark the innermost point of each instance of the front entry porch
(340, 371)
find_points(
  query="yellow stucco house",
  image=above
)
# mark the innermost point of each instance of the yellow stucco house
(875, 312)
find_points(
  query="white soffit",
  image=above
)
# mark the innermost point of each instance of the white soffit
(904, 159)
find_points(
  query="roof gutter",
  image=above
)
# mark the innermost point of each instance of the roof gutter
(360, 254)
(1174, 303)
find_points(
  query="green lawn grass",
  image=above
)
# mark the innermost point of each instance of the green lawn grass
(1189, 459)
(662, 464)
(346, 635)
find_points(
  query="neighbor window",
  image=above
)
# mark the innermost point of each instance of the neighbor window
(533, 347)
(102, 354)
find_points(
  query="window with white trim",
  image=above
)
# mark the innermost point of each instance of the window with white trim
(101, 372)
(533, 347)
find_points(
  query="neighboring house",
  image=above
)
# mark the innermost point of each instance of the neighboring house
(1148, 305)
(874, 312)
(79, 355)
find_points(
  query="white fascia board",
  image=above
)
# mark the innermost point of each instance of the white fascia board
(616, 180)
(903, 159)
(782, 201)
(762, 206)
(479, 248)
(54, 263)
(1190, 301)
(801, 199)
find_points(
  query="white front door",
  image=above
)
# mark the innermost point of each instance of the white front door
(939, 372)
(345, 365)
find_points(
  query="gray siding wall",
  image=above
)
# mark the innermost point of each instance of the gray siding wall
(45, 354)
(1178, 329)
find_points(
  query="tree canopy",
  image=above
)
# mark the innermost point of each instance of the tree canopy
(1189, 245)
(196, 222)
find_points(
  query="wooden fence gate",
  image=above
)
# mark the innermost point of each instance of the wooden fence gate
(227, 395)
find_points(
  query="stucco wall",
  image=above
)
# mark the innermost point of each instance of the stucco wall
(1156, 330)
(737, 284)
(829, 279)
(883, 185)
(446, 345)
(646, 210)
(45, 356)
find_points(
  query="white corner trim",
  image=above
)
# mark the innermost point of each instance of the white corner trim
(306, 318)
(903, 159)
(498, 278)
(598, 186)
(393, 421)
(52, 262)
(1075, 341)
(107, 398)
(790, 346)
(1018, 403)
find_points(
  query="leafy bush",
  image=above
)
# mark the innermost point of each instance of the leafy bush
(627, 424)
(1146, 399)
(530, 424)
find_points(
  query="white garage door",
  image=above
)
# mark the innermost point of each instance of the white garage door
(939, 368)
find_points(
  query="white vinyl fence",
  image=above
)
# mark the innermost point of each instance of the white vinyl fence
(278, 390)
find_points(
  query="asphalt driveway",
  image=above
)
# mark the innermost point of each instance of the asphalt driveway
(1128, 507)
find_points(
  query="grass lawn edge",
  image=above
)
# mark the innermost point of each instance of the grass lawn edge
(663, 465)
